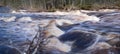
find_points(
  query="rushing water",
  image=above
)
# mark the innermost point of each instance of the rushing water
(17, 29)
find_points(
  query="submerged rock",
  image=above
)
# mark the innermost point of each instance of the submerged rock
(112, 38)
(52, 30)
(107, 51)
(102, 45)
(51, 50)
(55, 42)
(8, 50)
(79, 41)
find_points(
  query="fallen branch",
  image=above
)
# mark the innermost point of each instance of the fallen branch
(38, 43)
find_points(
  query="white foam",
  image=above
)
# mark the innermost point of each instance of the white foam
(10, 19)
(61, 22)
(59, 13)
(107, 10)
(82, 16)
(19, 11)
(14, 11)
(76, 12)
(85, 17)
(24, 19)
(93, 19)
(86, 11)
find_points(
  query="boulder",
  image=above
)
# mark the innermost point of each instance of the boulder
(79, 41)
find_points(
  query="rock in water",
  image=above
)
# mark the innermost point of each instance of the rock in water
(54, 42)
(107, 51)
(52, 50)
(102, 45)
(4, 9)
(79, 41)
(8, 50)
(52, 30)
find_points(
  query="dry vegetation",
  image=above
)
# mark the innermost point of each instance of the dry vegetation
(52, 5)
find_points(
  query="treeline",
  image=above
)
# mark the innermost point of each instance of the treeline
(52, 5)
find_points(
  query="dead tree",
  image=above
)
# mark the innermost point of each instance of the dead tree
(38, 43)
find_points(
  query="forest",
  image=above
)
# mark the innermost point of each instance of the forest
(52, 5)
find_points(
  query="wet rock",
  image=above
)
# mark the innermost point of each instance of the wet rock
(107, 51)
(51, 50)
(102, 45)
(52, 30)
(112, 38)
(79, 40)
(8, 50)
(55, 42)
(4, 9)
(118, 44)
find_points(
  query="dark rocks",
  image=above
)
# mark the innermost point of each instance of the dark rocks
(118, 44)
(107, 51)
(79, 40)
(8, 50)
